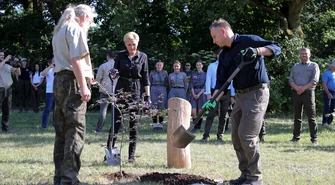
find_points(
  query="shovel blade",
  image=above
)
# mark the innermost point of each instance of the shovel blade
(182, 137)
(112, 157)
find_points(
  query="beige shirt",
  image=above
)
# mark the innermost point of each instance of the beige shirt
(71, 42)
(6, 79)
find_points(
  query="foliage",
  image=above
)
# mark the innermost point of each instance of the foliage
(178, 29)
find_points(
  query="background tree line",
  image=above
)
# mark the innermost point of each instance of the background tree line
(178, 29)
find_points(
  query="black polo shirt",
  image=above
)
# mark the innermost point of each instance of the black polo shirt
(251, 74)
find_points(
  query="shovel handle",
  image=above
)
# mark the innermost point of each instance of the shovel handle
(224, 86)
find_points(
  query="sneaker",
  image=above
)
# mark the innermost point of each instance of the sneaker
(205, 138)
(324, 124)
(261, 139)
(157, 126)
(131, 160)
(294, 140)
(238, 181)
(253, 182)
(96, 132)
(315, 143)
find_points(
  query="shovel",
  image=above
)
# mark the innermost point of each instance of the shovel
(112, 153)
(182, 137)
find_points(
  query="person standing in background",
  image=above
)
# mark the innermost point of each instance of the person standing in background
(303, 79)
(223, 104)
(36, 80)
(106, 84)
(188, 72)
(23, 85)
(198, 98)
(328, 85)
(48, 73)
(177, 82)
(6, 82)
(158, 91)
(73, 73)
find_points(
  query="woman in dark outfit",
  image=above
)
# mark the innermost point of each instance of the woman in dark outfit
(132, 66)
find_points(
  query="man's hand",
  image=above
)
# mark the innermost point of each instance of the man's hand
(250, 52)
(147, 100)
(208, 106)
(85, 94)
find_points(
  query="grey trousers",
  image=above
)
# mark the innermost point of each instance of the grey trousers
(247, 117)
(307, 100)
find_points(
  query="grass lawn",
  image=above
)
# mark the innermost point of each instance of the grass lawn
(27, 154)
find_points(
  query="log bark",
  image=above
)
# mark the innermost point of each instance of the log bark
(179, 113)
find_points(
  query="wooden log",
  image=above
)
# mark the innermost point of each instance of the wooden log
(179, 113)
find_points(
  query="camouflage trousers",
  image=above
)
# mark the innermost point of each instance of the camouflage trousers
(6, 104)
(70, 127)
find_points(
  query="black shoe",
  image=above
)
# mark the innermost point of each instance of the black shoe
(294, 140)
(261, 139)
(205, 138)
(315, 143)
(237, 181)
(253, 182)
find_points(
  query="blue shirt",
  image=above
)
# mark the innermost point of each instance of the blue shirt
(329, 78)
(211, 79)
(251, 74)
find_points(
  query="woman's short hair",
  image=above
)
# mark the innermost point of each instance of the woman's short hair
(131, 35)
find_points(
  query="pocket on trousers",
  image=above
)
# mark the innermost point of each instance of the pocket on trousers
(76, 112)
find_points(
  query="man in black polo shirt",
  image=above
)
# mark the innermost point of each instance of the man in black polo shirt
(252, 93)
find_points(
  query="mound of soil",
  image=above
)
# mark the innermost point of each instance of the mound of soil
(165, 178)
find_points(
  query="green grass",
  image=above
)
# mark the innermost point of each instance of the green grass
(27, 154)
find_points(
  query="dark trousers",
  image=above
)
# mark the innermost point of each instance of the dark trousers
(24, 91)
(36, 97)
(103, 112)
(328, 108)
(135, 89)
(70, 127)
(305, 100)
(6, 104)
(223, 104)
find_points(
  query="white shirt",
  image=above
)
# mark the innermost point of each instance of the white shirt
(211, 79)
(103, 77)
(36, 78)
(50, 81)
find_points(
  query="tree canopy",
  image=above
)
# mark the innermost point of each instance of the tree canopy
(178, 29)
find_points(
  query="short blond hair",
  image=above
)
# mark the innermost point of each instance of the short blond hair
(130, 36)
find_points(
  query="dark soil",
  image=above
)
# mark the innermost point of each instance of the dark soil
(165, 178)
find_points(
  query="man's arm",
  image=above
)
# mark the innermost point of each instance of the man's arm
(79, 74)
(4, 61)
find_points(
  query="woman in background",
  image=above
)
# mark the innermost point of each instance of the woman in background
(177, 82)
(36, 80)
(198, 98)
(158, 91)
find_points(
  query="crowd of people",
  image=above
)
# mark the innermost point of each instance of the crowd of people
(69, 76)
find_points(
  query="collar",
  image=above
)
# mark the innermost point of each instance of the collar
(305, 63)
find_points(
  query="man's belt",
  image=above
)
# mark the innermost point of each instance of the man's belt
(178, 87)
(197, 87)
(246, 90)
(158, 85)
(130, 79)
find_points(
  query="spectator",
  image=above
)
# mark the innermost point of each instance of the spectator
(198, 98)
(188, 72)
(177, 82)
(303, 79)
(6, 82)
(36, 80)
(105, 85)
(223, 104)
(328, 84)
(158, 91)
(73, 71)
(24, 85)
(48, 73)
